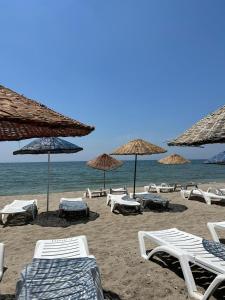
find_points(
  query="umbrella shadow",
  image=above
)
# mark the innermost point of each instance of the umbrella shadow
(172, 208)
(52, 219)
(202, 277)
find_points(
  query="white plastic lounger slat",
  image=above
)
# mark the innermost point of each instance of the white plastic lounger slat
(189, 251)
(71, 247)
(60, 249)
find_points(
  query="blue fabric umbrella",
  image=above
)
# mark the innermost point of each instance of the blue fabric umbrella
(48, 146)
(217, 159)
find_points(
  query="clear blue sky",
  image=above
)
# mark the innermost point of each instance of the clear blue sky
(148, 68)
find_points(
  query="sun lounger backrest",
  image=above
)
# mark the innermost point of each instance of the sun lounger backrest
(62, 248)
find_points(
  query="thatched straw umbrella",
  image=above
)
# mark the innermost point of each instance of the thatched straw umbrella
(173, 159)
(23, 118)
(138, 147)
(105, 163)
(48, 146)
(209, 130)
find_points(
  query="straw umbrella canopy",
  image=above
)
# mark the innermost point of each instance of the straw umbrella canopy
(23, 118)
(217, 159)
(105, 163)
(48, 146)
(173, 159)
(138, 147)
(209, 130)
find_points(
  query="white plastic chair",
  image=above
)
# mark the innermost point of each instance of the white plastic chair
(188, 249)
(62, 248)
(17, 207)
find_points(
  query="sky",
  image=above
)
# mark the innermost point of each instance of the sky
(143, 69)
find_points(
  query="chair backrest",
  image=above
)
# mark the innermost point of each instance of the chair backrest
(215, 191)
(118, 191)
(71, 199)
(164, 184)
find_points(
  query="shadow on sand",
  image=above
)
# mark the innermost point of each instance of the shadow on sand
(109, 295)
(52, 219)
(172, 208)
(202, 277)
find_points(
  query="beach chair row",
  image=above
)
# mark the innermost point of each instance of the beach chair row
(31, 207)
(66, 264)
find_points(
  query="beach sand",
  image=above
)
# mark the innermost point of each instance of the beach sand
(112, 239)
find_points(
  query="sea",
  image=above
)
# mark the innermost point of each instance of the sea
(31, 178)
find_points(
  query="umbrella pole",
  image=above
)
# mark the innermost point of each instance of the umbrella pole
(48, 182)
(104, 179)
(135, 169)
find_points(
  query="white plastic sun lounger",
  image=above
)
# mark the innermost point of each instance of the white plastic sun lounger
(118, 191)
(73, 205)
(208, 197)
(188, 249)
(62, 248)
(2, 250)
(220, 192)
(19, 206)
(121, 200)
(212, 226)
(164, 187)
(95, 193)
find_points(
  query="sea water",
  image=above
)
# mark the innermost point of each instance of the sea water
(31, 178)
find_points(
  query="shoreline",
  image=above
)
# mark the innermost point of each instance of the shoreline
(203, 183)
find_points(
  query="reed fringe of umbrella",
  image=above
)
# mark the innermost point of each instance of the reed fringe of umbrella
(23, 118)
(208, 130)
(173, 159)
(138, 147)
(104, 163)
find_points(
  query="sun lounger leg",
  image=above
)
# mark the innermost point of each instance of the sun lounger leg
(213, 286)
(4, 218)
(141, 235)
(211, 227)
(189, 280)
(184, 263)
(2, 249)
(207, 200)
(113, 205)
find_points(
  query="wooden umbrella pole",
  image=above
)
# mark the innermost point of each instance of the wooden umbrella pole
(135, 169)
(48, 182)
